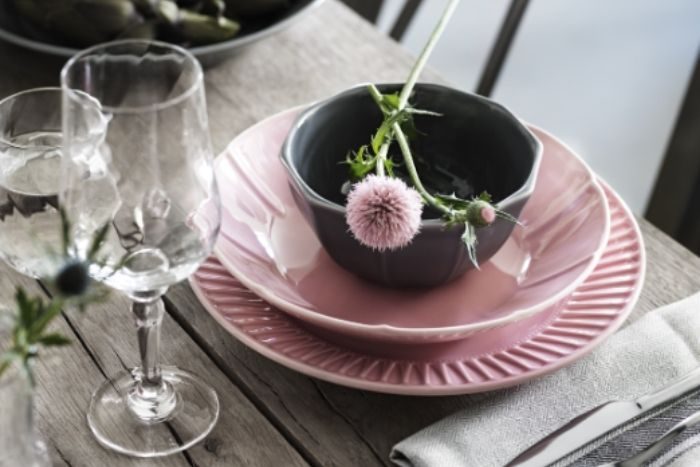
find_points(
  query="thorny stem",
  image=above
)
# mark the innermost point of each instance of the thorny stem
(376, 95)
(384, 149)
(413, 173)
(427, 50)
(403, 100)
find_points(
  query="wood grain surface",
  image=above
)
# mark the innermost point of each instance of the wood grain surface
(270, 415)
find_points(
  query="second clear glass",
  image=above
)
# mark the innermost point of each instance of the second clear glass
(148, 176)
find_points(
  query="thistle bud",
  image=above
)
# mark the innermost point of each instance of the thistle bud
(480, 213)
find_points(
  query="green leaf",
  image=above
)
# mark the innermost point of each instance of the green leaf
(97, 241)
(20, 336)
(65, 231)
(409, 129)
(6, 360)
(3, 367)
(391, 100)
(389, 166)
(381, 134)
(359, 165)
(452, 201)
(485, 196)
(43, 320)
(27, 308)
(54, 340)
(411, 110)
(470, 241)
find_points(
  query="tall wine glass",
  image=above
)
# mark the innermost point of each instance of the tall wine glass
(149, 178)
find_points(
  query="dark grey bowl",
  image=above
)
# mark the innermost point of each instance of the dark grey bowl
(479, 142)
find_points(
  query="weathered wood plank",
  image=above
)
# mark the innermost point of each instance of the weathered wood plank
(243, 435)
(65, 380)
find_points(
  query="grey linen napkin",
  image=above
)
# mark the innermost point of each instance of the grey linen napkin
(660, 347)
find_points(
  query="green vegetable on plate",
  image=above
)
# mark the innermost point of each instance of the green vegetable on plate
(82, 23)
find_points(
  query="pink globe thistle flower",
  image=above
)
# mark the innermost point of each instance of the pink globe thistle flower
(383, 213)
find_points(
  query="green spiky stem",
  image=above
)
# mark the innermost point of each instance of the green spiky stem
(403, 100)
(427, 50)
(384, 149)
(381, 159)
(413, 173)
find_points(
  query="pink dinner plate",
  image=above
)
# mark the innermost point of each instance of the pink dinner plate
(267, 244)
(492, 359)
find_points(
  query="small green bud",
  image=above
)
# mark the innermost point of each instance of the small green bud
(480, 213)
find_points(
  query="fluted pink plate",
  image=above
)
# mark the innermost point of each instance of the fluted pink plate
(266, 243)
(492, 359)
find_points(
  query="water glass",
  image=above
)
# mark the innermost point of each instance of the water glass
(30, 168)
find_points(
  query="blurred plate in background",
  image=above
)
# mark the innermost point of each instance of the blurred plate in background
(14, 30)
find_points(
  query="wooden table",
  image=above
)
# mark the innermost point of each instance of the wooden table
(270, 415)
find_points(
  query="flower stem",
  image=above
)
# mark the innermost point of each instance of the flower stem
(381, 158)
(427, 50)
(413, 173)
(376, 95)
(384, 149)
(403, 100)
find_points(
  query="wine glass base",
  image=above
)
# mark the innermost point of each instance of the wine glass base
(116, 426)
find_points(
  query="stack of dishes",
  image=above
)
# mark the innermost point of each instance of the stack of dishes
(564, 280)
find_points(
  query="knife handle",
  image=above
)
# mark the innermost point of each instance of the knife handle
(684, 385)
(658, 446)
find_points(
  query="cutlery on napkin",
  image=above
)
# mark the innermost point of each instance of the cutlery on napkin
(645, 356)
(614, 415)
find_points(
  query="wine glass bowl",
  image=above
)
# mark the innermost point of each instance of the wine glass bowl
(142, 175)
(152, 172)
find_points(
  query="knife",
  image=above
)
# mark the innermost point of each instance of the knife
(596, 422)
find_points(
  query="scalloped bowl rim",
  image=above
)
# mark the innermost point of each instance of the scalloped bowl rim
(523, 192)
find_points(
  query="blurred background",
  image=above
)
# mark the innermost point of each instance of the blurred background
(616, 80)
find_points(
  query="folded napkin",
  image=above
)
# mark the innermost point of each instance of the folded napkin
(659, 348)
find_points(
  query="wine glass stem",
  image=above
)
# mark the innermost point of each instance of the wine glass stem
(152, 399)
(149, 316)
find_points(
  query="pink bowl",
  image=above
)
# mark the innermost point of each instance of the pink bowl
(266, 243)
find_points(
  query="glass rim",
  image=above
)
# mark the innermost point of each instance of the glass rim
(187, 93)
(19, 94)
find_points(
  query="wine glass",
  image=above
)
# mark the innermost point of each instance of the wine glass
(148, 179)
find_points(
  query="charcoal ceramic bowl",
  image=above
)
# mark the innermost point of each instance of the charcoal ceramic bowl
(475, 145)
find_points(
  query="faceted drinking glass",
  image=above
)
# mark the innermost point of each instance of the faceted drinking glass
(30, 168)
(149, 179)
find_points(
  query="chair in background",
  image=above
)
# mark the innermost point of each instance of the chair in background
(674, 206)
